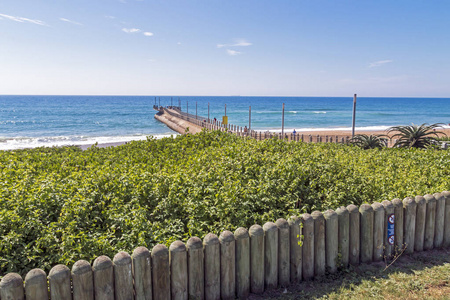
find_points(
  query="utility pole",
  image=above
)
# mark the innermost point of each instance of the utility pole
(196, 110)
(249, 118)
(208, 112)
(282, 123)
(354, 115)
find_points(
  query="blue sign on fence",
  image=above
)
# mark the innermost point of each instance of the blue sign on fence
(390, 229)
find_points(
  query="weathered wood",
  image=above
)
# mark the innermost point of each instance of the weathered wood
(295, 233)
(123, 277)
(331, 239)
(11, 287)
(242, 263)
(354, 234)
(59, 283)
(103, 278)
(160, 272)
(319, 243)
(378, 231)
(388, 212)
(270, 255)
(256, 259)
(284, 272)
(142, 273)
(409, 215)
(430, 222)
(446, 242)
(82, 281)
(196, 272)
(419, 234)
(366, 212)
(227, 265)
(211, 252)
(398, 217)
(178, 271)
(36, 285)
(440, 217)
(344, 234)
(308, 246)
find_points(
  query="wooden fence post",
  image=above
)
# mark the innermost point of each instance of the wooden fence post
(242, 263)
(270, 255)
(354, 234)
(36, 285)
(196, 267)
(295, 233)
(378, 231)
(343, 234)
(284, 259)
(366, 212)
(430, 222)
(160, 272)
(398, 225)
(308, 247)
(446, 242)
(419, 234)
(82, 281)
(388, 216)
(178, 271)
(227, 265)
(103, 278)
(319, 243)
(59, 283)
(331, 239)
(11, 287)
(123, 278)
(211, 249)
(256, 259)
(409, 215)
(440, 219)
(142, 273)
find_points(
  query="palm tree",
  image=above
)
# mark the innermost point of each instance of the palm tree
(416, 136)
(365, 141)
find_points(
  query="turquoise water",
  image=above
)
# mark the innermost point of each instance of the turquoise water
(32, 121)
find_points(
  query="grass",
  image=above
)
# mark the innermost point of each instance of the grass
(424, 275)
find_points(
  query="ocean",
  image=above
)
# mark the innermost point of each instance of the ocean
(36, 121)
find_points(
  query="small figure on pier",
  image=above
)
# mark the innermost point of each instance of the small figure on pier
(294, 132)
(215, 120)
(245, 129)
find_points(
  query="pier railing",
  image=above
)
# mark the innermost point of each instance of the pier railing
(253, 260)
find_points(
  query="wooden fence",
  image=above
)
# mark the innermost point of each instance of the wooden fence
(249, 261)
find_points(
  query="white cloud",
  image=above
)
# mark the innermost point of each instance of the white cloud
(110, 17)
(233, 52)
(69, 21)
(147, 33)
(380, 63)
(179, 43)
(22, 20)
(237, 43)
(130, 30)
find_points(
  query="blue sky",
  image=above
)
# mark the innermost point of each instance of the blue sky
(228, 47)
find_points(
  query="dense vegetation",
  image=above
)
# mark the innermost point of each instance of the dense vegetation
(59, 205)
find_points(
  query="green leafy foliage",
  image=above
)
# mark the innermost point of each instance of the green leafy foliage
(59, 205)
(365, 141)
(416, 136)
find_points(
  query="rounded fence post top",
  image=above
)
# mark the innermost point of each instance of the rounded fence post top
(377, 206)
(438, 196)
(342, 211)
(397, 202)
(226, 236)
(35, 276)
(141, 252)
(429, 198)
(256, 230)
(294, 220)
(365, 208)
(210, 239)
(270, 226)
(316, 215)
(177, 246)
(58, 272)
(81, 267)
(11, 280)
(352, 208)
(307, 218)
(159, 250)
(282, 223)
(330, 214)
(194, 243)
(241, 233)
(102, 262)
(408, 201)
(122, 258)
(446, 194)
(387, 204)
(419, 199)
